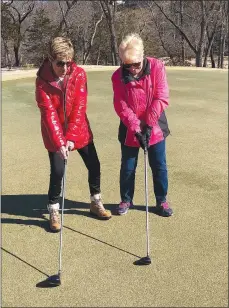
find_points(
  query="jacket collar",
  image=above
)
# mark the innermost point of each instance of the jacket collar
(127, 77)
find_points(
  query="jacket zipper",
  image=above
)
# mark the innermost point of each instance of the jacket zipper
(64, 108)
(64, 103)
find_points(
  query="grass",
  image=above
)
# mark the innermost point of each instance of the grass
(189, 251)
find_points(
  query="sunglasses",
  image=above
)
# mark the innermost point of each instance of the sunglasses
(62, 63)
(135, 65)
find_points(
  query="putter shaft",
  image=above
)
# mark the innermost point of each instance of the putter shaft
(146, 201)
(62, 219)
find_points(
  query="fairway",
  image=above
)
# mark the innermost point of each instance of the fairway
(189, 251)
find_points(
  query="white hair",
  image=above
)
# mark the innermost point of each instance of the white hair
(131, 49)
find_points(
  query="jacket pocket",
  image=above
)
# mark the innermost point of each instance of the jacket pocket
(156, 135)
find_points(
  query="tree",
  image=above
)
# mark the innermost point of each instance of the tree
(178, 29)
(89, 43)
(64, 23)
(7, 31)
(223, 34)
(216, 32)
(166, 36)
(38, 37)
(18, 13)
(206, 9)
(109, 8)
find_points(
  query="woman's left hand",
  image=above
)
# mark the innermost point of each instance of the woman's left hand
(70, 145)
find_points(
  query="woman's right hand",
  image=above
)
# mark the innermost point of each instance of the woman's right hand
(63, 152)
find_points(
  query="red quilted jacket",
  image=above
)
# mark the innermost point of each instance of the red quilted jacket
(52, 100)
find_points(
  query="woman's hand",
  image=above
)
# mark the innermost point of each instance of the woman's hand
(63, 152)
(70, 145)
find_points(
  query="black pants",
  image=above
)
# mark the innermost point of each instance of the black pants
(91, 161)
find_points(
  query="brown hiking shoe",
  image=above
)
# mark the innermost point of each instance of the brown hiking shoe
(54, 217)
(97, 208)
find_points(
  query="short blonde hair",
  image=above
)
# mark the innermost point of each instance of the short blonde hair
(60, 47)
(131, 49)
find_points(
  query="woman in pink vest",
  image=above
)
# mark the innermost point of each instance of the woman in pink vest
(141, 95)
(61, 95)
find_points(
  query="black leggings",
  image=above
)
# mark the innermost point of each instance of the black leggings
(91, 161)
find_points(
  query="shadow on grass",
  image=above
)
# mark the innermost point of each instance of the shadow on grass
(20, 259)
(33, 206)
(152, 209)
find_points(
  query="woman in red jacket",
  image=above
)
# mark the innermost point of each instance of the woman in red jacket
(140, 97)
(61, 95)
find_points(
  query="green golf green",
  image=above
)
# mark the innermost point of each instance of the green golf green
(189, 251)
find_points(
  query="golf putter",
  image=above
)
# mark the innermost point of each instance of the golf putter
(55, 280)
(146, 260)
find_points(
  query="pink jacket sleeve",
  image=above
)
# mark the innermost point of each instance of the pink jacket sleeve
(125, 113)
(160, 94)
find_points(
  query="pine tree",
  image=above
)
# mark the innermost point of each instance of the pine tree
(38, 37)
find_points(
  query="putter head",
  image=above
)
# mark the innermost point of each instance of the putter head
(143, 261)
(50, 282)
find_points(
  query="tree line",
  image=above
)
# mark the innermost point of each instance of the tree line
(175, 30)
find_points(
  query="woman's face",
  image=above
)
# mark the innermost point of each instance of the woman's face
(60, 66)
(133, 67)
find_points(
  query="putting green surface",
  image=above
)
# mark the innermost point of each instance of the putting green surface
(189, 251)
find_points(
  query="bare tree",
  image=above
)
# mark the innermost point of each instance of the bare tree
(101, 51)
(209, 46)
(160, 27)
(178, 29)
(181, 25)
(6, 32)
(19, 13)
(210, 49)
(206, 8)
(223, 34)
(63, 23)
(109, 8)
(88, 47)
